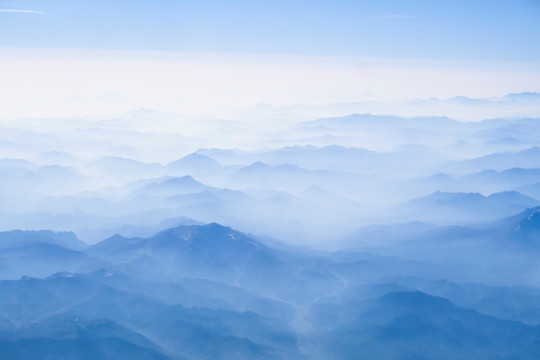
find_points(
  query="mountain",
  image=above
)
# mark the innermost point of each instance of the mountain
(520, 131)
(17, 238)
(43, 259)
(153, 228)
(494, 181)
(225, 330)
(532, 190)
(413, 325)
(340, 160)
(28, 299)
(463, 100)
(171, 186)
(518, 303)
(194, 163)
(467, 206)
(42, 253)
(223, 156)
(218, 253)
(194, 332)
(383, 121)
(289, 177)
(527, 159)
(31, 184)
(57, 157)
(524, 96)
(523, 228)
(16, 163)
(76, 339)
(124, 168)
(309, 157)
(211, 292)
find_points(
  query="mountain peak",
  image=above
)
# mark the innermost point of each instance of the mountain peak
(195, 160)
(210, 230)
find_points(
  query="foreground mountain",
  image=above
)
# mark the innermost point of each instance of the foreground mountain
(211, 292)
(217, 253)
(71, 338)
(413, 325)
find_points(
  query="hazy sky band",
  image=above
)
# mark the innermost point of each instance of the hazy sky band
(61, 57)
(473, 30)
(86, 82)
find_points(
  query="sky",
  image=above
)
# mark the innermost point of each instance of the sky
(198, 54)
(457, 29)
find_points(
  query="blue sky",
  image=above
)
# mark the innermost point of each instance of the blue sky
(465, 30)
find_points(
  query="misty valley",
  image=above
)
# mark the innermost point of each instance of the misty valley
(138, 237)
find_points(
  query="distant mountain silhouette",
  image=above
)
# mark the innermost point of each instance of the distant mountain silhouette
(527, 159)
(171, 186)
(195, 162)
(17, 238)
(468, 206)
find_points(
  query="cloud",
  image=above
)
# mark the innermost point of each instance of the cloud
(21, 11)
